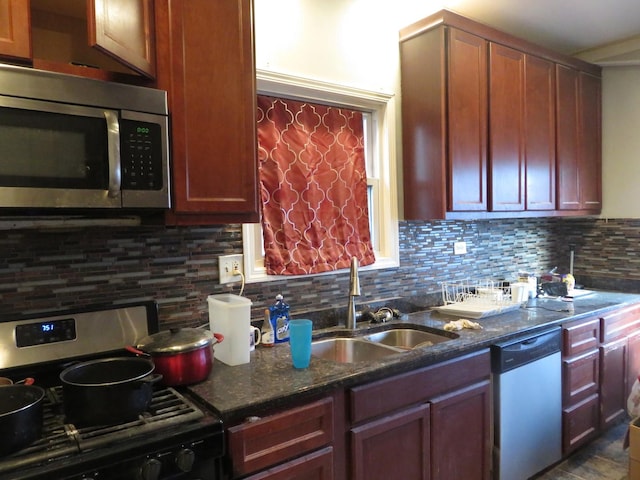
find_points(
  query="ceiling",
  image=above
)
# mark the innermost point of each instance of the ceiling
(606, 32)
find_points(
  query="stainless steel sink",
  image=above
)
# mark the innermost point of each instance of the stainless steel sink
(377, 342)
(408, 338)
(350, 350)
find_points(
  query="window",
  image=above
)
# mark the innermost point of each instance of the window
(379, 121)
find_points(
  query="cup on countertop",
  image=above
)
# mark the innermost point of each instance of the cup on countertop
(255, 337)
(300, 342)
(519, 292)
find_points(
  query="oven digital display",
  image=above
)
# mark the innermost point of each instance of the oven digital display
(41, 333)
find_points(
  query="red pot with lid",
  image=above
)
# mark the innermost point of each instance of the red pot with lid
(182, 356)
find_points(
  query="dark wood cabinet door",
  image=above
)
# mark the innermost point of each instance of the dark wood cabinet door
(461, 434)
(580, 377)
(579, 146)
(467, 122)
(633, 363)
(540, 133)
(567, 138)
(124, 30)
(506, 128)
(207, 67)
(15, 29)
(522, 166)
(580, 423)
(613, 382)
(395, 446)
(590, 143)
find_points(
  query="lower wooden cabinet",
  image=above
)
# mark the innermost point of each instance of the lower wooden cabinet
(600, 362)
(314, 466)
(613, 382)
(581, 377)
(460, 433)
(395, 446)
(633, 363)
(432, 423)
(429, 423)
(580, 423)
(259, 445)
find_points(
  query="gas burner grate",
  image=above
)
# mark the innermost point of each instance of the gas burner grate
(59, 439)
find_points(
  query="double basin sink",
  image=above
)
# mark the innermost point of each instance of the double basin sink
(376, 343)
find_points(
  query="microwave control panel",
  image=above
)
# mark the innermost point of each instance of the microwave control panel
(141, 155)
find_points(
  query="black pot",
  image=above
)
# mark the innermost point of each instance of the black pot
(107, 391)
(20, 416)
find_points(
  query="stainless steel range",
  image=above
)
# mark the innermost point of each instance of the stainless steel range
(174, 438)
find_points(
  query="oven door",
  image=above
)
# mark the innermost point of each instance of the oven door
(56, 155)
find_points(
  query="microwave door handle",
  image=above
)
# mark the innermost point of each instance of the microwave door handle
(113, 142)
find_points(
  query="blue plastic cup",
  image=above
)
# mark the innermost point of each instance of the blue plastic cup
(300, 342)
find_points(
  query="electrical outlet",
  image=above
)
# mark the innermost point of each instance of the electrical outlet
(459, 248)
(227, 264)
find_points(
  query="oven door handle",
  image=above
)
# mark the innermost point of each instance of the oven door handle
(113, 147)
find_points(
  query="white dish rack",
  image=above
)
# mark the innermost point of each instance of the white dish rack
(476, 298)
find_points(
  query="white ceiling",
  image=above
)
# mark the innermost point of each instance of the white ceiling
(606, 32)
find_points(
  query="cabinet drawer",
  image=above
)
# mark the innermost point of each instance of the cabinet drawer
(620, 323)
(580, 336)
(579, 423)
(277, 438)
(317, 465)
(580, 377)
(384, 396)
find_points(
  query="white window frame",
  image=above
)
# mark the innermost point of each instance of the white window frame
(382, 108)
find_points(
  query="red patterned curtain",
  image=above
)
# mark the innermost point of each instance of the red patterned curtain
(313, 187)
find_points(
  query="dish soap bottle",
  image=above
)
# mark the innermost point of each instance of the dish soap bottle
(268, 336)
(279, 317)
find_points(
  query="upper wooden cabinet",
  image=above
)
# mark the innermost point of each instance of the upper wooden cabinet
(124, 30)
(207, 67)
(15, 36)
(72, 37)
(521, 131)
(444, 123)
(467, 121)
(579, 140)
(479, 124)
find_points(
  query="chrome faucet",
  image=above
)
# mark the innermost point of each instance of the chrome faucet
(354, 291)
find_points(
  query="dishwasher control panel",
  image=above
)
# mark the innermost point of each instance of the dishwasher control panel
(519, 351)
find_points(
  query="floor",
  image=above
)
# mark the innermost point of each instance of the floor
(602, 459)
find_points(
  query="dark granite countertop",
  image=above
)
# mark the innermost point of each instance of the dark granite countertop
(269, 381)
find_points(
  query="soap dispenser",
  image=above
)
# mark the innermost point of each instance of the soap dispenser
(279, 317)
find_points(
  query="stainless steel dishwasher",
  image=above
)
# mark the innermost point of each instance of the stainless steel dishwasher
(527, 404)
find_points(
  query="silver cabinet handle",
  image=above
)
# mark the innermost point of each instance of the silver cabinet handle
(113, 142)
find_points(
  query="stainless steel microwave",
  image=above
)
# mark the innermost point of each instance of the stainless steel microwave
(69, 142)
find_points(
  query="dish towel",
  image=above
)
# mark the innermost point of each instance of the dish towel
(462, 323)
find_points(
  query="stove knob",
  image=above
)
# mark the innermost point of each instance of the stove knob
(185, 459)
(150, 469)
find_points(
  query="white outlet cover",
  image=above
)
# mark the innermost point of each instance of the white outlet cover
(460, 248)
(225, 267)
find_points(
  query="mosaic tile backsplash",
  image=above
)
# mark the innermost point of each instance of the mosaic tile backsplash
(44, 270)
